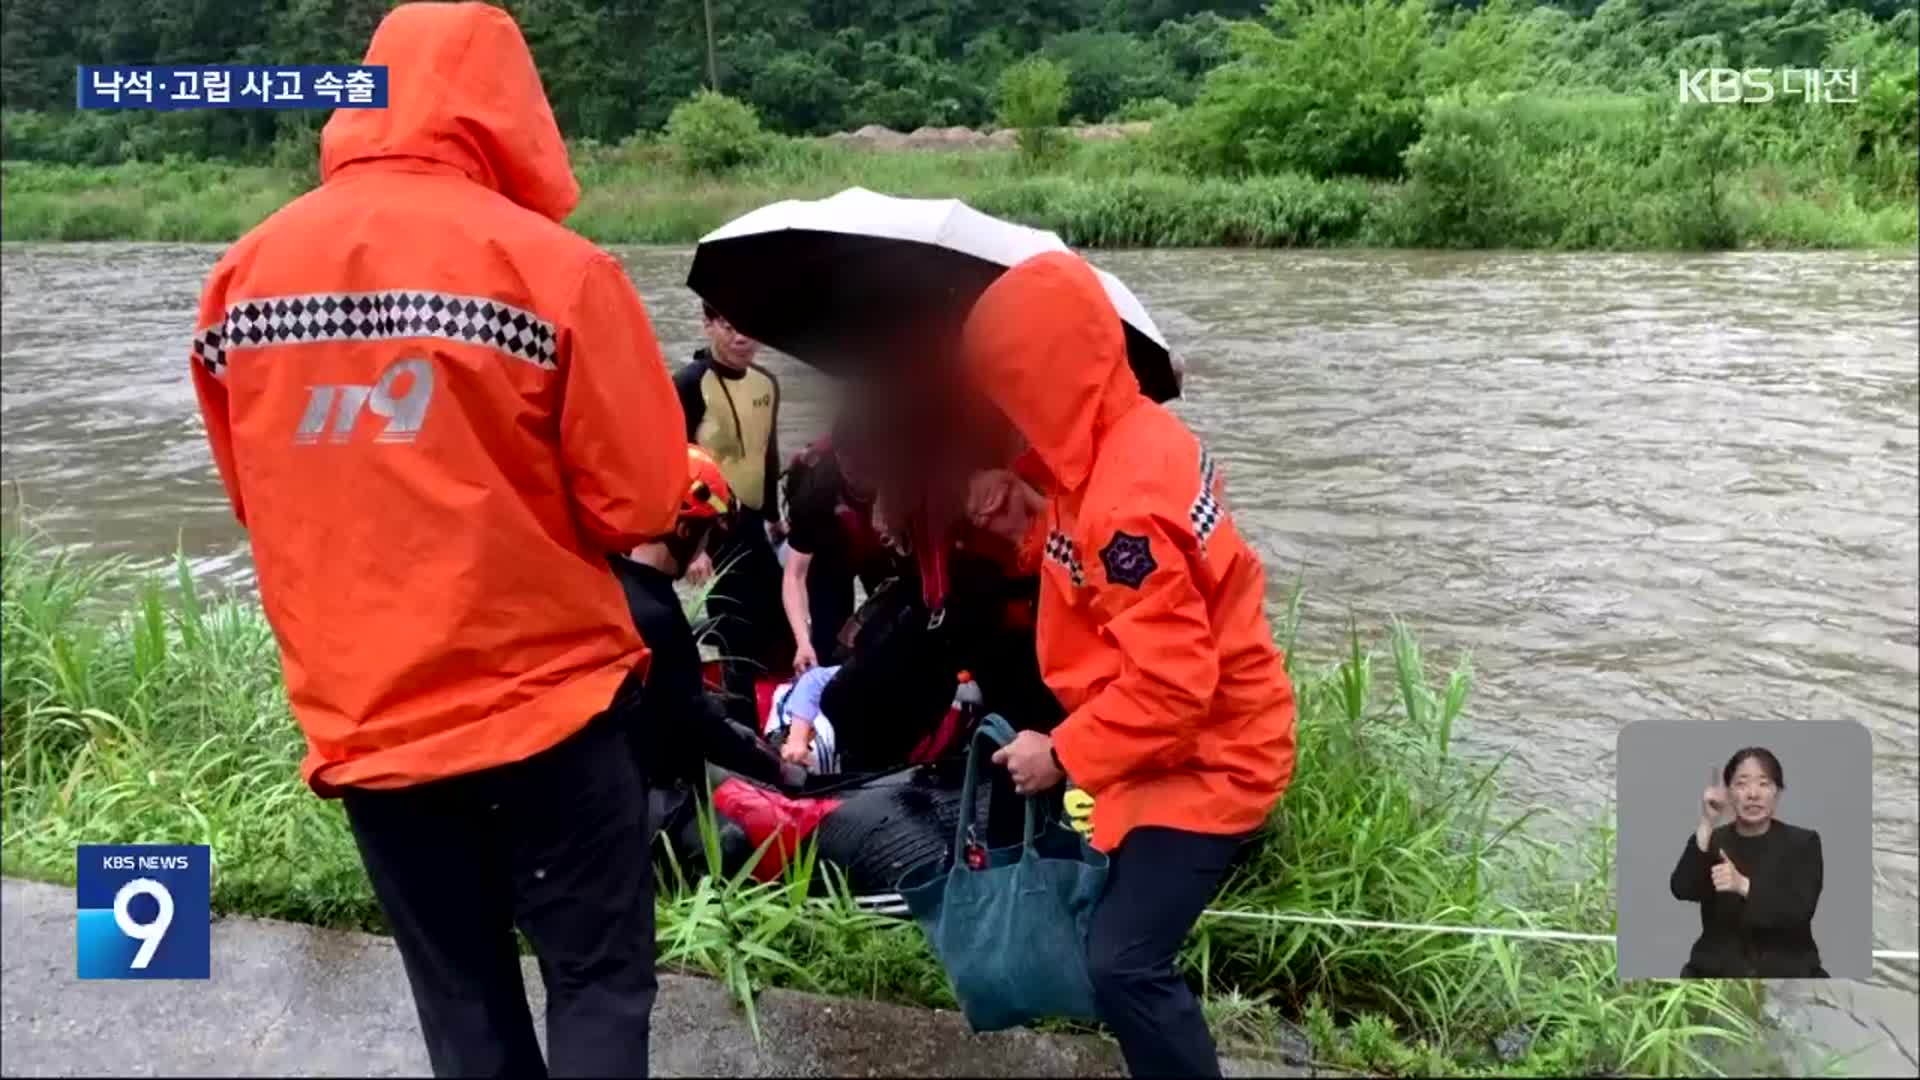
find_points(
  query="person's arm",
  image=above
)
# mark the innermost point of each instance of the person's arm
(693, 404)
(1692, 876)
(793, 593)
(672, 730)
(1152, 612)
(771, 484)
(620, 420)
(208, 360)
(803, 702)
(1788, 896)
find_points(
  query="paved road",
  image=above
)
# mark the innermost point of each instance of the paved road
(289, 1000)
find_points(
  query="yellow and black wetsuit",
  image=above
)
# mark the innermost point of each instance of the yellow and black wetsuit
(735, 416)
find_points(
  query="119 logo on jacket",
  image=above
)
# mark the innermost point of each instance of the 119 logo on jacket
(344, 405)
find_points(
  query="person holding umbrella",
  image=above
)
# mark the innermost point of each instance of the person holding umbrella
(1152, 633)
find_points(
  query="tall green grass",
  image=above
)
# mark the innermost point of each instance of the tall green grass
(141, 707)
(1473, 189)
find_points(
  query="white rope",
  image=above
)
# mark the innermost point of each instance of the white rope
(892, 904)
(1429, 928)
(1478, 931)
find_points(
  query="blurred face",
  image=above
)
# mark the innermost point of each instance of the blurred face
(729, 346)
(1752, 793)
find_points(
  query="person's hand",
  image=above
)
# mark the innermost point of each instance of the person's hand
(798, 749)
(794, 752)
(1001, 503)
(700, 569)
(1727, 877)
(1029, 760)
(804, 658)
(1713, 801)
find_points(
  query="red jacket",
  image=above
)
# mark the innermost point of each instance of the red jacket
(436, 411)
(1152, 628)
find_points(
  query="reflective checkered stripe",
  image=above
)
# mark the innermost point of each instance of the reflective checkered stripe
(1060, 549)
(376, 316)
(1205, 512)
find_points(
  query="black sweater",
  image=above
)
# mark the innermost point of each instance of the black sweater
(1768, 934)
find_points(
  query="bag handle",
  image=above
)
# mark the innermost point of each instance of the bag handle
(992, 728)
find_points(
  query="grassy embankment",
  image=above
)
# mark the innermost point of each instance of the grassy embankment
(145, 709)
(1536, 174)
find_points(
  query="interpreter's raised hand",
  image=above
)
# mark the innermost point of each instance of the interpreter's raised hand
(1727, 877)
(1713, 801)
(1029, 760)
(700, 569)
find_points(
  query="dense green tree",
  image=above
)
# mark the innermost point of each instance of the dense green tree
(1327, 86)
(1107, 68)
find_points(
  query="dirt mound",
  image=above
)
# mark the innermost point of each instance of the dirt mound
(879, 137)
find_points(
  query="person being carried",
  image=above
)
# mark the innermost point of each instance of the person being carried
(436, 410)
(1151, 632)
(732, 410)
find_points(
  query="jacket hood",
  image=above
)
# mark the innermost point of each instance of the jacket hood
(462, 91)
(1046, 346)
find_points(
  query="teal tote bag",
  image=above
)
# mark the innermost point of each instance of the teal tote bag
(1012, 933)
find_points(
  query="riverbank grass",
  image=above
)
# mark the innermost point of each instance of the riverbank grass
(1121, 194)
(143, 707)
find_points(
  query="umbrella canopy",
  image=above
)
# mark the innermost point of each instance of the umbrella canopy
(811, 277)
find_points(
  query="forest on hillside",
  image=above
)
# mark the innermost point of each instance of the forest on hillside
(1515, 123)
(816, 66)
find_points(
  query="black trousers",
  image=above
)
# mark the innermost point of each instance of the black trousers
(1158, 882)
(557, 845)
(744, 605)
(829, 605)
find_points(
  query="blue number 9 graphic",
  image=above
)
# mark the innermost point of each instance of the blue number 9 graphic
(148, 934)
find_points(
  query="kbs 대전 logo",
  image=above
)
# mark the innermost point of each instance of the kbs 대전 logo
(144, 911)
(1754, 86)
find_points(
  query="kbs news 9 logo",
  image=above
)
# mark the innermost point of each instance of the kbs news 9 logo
(144, 911)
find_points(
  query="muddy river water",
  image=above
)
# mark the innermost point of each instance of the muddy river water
(1631, 486)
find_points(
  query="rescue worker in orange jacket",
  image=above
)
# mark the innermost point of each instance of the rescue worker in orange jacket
(437, 412)
(1151, 631)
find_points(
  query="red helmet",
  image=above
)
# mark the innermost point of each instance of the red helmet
(708, 498)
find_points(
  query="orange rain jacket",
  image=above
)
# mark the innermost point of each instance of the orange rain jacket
(436, 411)
(1152, 628)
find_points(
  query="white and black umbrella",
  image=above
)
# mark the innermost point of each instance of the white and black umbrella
(808, 276)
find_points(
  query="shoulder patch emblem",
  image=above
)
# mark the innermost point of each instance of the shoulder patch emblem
(1128, 559)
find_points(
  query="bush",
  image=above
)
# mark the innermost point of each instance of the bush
(1143, 109)
(1033, 95)
(1339, 94)
(713, 133)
